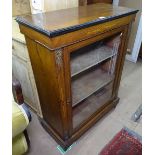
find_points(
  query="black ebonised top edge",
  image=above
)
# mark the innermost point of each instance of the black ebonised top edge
(71, 28)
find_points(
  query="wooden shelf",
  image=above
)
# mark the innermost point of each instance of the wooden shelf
(87, 84)
(84, 110)
(88, 57)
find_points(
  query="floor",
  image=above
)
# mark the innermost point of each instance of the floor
(92, 142)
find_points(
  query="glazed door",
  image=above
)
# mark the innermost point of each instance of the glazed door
(92, 74)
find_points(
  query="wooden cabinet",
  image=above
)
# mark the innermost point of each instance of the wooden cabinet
(77, 57)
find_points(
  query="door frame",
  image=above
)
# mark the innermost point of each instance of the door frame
(138, 40)
(137, 44)
(115, 2)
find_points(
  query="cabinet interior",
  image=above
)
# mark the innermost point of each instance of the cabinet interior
(92, 76)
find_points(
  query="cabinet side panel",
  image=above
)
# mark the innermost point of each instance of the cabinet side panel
(44, 69)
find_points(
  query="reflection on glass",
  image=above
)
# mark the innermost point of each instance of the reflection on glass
(92, 73)
(90, 105)
(89, 82)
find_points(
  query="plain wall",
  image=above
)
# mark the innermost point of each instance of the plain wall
(20, 7)
(51, 5)
(136, 4)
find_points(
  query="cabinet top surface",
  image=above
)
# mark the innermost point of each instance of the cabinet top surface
(59, 22)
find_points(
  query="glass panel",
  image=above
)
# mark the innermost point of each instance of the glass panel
(90, 105)
(83, 60)
(92, 75)
(89, 82)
